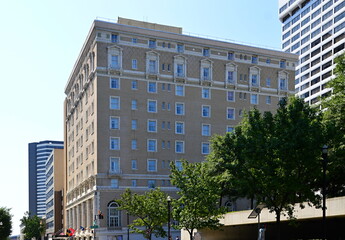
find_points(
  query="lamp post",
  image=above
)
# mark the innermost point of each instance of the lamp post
(324, 194)
(169, 202)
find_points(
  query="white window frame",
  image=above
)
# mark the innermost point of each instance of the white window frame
(206, 129)
(134, 164)
(202, 148)
(208, 107)
(117, 122)
(227, 113)
(113, 220)
(134, 104)
(111, 104)
(118, 143)
(228, 127)
(233, 94)
(154, 161)
(178, 142)
(206, 64)
(115, 51)
(254, 98)
(180, 66)
(148, 125)
(117, 83)
(206, 93)
(176, 127)
(177, 104)
(179, 90)
(148, 105)
(254, 71)
(152, 87)
(231, 68)
(114, 165)
(178, 164)
(268, 99)
(149, 141)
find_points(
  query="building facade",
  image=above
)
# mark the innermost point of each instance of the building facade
(141, 96)
(54, 192)
(314, 29)
(38, 155)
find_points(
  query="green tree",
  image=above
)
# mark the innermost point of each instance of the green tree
(334, 120)
(196, 207)
(273, 158)
(150, 209)
(33, 226)
(5, 223)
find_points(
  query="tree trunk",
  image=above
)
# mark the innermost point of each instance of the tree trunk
(278, 224)
(191, 235)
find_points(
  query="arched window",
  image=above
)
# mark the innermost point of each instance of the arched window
(114, 215)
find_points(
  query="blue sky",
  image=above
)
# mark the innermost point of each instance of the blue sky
(40, 41)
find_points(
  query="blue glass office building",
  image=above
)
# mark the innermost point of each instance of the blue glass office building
(38, 155)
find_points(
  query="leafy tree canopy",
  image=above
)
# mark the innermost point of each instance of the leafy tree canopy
(150, 209)
(196, 207)
(334, 120)
(273, 158)
(33, 226)
(5, 223)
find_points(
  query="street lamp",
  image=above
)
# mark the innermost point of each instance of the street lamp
(169, 202)
(324, 194)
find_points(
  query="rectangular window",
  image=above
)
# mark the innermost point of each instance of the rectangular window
(179, 146)
(151, 183)
(114, 123)
(230, 56)
(178, 165)
(206, 130)
(179, 127)
(114, 83)
(134, 40)
(134, 64)
(152, 125)
(230, 77)
(134, 104)
(134, 144)
(254, 59)
(152, 66)
(134, 85)
(282, 84)
(206, 73)
(152, 87)
(180, 48)
(152, 43)
(134, 182)
(179, 109)
(206, 52)
(254, 99)
(114, 165)
(115, 103)
(205, 148)
(179, 90)
(230, 96)
(114, 61)
(268, 99)
(114, 143)
(134, 164)
(151, 145)
(206, 111)
(255, 81)
(151, 165)
(134, 124)
(179, 70)
(114, 38)
(152, 106)
(205, 93)
(229, 129)
(230, 113)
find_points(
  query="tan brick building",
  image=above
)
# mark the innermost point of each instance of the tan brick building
(143, 95)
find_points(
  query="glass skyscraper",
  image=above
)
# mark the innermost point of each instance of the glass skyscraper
(38, 155)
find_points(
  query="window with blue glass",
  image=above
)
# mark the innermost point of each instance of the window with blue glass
(114, 83)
